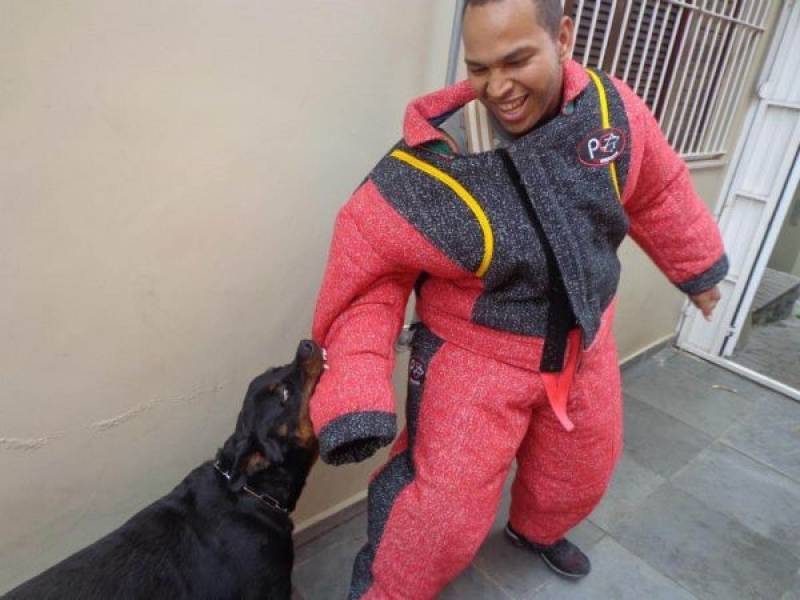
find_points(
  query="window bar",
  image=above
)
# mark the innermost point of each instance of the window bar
(632, 50)
(578, 17)
(684, 60)
(664, 23)
(643, 63)
(690, 94)
(611, 13)
(735, 53)
(678, 17)
(588, 50)
(700, 138)
(715, 14)
(751, 35)
(726, 82)
(623, 27)
(701, 108)
(744, 57)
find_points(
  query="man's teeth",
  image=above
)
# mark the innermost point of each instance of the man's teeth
(510, 106)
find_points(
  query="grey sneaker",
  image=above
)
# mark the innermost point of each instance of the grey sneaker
(562, 557)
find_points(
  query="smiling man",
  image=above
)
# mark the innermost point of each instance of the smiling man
(512, 255)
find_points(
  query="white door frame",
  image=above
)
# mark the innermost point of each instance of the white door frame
(715, 341)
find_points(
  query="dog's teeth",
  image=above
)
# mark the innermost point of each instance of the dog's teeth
(326, 367)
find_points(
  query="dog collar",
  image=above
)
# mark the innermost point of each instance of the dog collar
(265, 499)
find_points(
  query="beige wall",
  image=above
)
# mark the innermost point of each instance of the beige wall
(169, 174)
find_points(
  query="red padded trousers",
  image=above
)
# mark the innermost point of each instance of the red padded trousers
(468, 417)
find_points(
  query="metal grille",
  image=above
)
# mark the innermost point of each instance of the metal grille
(686, 58)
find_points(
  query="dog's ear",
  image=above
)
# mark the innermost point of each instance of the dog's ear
(235, 451)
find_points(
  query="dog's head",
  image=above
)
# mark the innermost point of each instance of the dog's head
(273, 432)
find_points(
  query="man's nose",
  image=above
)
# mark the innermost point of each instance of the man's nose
(498, 85)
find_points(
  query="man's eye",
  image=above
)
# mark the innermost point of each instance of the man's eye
(477, 70)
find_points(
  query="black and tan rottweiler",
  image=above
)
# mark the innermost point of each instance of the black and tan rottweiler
(225, 531)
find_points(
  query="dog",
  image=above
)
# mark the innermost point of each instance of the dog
(225, 530)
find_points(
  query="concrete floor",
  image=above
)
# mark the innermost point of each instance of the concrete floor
(774, 350)
(705, 503)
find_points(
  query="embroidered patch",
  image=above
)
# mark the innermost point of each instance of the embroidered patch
(416, 371)
(601, 147)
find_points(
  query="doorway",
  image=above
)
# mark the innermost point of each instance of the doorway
(752, 329)
(769, 343)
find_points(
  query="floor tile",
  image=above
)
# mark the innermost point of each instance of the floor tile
(705, 551)
(519, 571)
(793, 593)
(771, 434)
(473, 585)
(616, 574)
(688, 363)
(630, 487)
(353, 529)
(659, 441)
(756, 496)
(326, 576)
(696, 402)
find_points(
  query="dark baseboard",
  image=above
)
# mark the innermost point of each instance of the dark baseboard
(647, 353)
(322, 527)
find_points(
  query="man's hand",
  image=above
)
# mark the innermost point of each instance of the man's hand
(706, 301)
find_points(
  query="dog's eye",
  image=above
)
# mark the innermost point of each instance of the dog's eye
(284, 394)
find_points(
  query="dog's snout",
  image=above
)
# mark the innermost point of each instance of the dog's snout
(306, 349)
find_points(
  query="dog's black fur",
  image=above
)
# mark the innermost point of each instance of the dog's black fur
(209, 537)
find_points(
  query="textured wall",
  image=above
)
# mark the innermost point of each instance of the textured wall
(169, 174)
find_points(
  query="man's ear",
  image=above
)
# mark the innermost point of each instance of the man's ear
(565, 40)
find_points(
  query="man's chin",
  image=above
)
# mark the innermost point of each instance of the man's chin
(516, 128)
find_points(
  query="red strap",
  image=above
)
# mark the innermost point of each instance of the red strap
(558, 385)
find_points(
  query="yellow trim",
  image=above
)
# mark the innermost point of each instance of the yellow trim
(466, 197)
(601, 91)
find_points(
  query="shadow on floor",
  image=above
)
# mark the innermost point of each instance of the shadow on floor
(705, 503)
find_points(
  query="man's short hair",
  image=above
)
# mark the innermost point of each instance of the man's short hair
(549, 13)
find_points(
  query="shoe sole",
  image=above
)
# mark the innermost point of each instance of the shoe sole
(520, 543)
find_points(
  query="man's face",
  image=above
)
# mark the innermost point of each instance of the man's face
(514, 64)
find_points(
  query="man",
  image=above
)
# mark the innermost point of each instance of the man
(512, 254)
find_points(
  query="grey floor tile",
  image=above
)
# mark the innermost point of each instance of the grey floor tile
(756, 496)
(659, 441)
(793, 593)
(326, 576)
(639, 368)
(688, 363)
(630, 487)
(771, 434)
(773, 350)
(521, 572)
(473, 585)
(705, 551)
(696, 402)
(616, 575)
(716, 375)
(354, 529)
